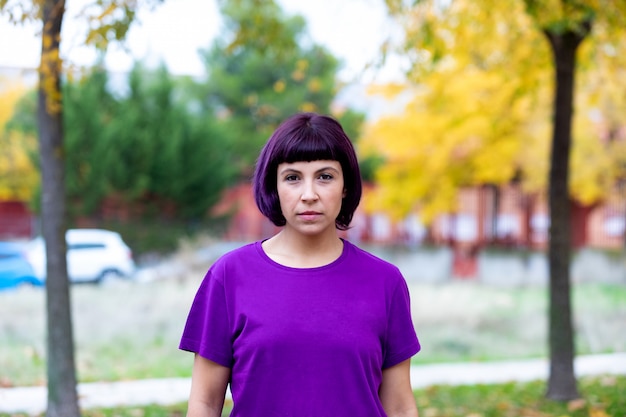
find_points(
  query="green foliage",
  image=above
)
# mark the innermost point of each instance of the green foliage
(353, 122)
(23, 118)
(88, 106)
(160, 151)
(261, 70)
(147, 150)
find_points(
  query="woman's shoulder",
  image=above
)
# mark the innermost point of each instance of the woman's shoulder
(232, 261)
(367, 259)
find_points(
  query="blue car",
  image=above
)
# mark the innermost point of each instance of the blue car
(15, 270)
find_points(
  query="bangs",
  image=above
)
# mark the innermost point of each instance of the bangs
(305, 146)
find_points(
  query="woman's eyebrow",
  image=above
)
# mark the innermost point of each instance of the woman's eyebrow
(328, 168)
(290, 170)
(317, 171)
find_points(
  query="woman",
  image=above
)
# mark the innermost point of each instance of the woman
(304, 323)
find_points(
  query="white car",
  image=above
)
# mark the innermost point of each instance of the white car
(93, 255)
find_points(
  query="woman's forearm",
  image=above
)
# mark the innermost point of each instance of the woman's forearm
(201, 409)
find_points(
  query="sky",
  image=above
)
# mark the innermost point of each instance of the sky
(352, 30)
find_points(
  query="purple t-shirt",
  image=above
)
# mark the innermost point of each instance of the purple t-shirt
(302, 342)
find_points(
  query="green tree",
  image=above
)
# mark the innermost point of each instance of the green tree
(88, 109)
(262, 69)
(148, 148)
(162, 150)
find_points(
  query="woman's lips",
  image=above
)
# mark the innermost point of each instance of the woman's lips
(309, 215)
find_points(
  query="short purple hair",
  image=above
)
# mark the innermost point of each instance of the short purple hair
(306, 137)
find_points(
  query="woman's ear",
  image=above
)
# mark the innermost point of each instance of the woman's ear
(345, 193)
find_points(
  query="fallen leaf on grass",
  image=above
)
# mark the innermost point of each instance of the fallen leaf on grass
(429, 412)
(503, 405)
(576, 404)
(598, 412)
(529, 412)
(137, 412)
(608, 381)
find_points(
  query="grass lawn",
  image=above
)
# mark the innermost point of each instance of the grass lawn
(601, 397)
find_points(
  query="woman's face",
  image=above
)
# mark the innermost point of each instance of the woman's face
(310, 195)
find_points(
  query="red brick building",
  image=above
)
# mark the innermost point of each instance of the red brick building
(16, 220)
(486, 216)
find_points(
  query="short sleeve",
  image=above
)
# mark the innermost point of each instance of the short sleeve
(401, 342)
(207, 330)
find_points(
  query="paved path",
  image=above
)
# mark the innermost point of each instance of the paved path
(32, 400)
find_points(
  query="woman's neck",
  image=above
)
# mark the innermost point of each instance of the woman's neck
(301, 251)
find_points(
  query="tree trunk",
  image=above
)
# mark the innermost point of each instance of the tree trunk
(562, 381)
(62, 393)
(495, 213)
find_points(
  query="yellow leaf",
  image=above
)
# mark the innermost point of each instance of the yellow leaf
(308, 107)
(279, 86)
(577, 404)
(598, 412)
(314, 85)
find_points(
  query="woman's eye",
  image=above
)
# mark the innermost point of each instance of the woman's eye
(291, 178)
(326, 177)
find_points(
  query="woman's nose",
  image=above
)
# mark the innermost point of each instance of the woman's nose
(308, 191)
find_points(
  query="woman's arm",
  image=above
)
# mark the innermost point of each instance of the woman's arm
(208, 388)
(396, 393)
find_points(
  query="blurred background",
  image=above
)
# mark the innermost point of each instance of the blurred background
(449, 108)
(164, 128)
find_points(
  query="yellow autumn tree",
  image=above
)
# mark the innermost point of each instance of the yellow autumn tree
(18, 175)
(481, 83)
(468, 122)
(598, 160)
